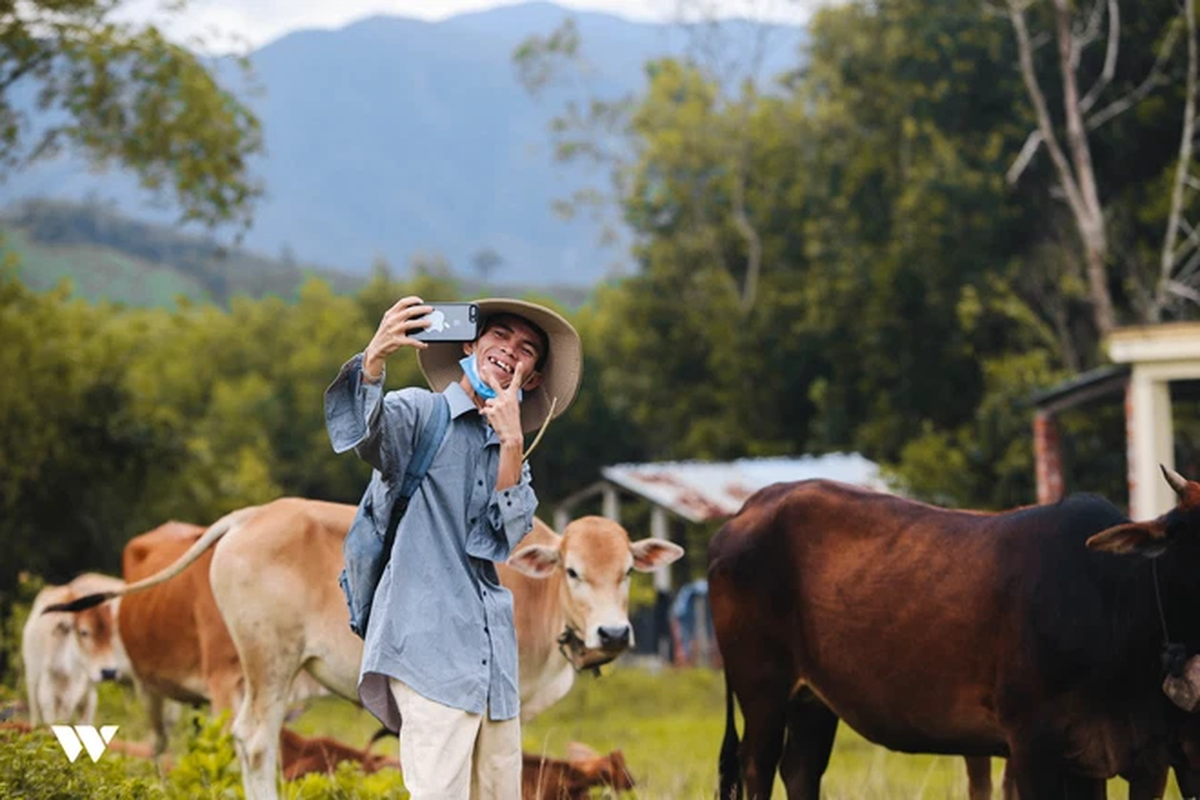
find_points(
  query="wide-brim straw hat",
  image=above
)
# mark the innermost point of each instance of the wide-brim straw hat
(561, 372)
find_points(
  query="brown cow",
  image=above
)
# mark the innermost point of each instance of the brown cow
(176, 641)
(544, 778)
(274, 576)
(178, 645)
(1020, 634)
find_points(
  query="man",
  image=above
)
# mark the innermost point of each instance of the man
(440, 648)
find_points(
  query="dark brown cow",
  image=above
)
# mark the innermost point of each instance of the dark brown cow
(1032, 634)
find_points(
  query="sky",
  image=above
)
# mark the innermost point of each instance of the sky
(226, 23)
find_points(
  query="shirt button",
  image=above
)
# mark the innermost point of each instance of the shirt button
(472, 520)
(485, 628)
(485, 662)
(481, 483)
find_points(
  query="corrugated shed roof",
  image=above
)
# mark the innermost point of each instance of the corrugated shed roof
(700, 491)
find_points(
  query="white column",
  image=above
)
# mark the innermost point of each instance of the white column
(659, 530)
(561, 518)
(1151, 442)
(612, 504)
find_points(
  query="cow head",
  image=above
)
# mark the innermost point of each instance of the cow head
(1151, 538)
(95, 627)
(1179, 527)
(65, 657)
(593, 560)
(96, 632)
(597, 770)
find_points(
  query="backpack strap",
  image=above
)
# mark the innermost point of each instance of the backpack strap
(428, 443)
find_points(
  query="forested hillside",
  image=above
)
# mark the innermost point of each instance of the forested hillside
(107, 256)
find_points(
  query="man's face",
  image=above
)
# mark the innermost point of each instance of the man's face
(506, 342)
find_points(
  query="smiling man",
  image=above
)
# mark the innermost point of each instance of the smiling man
(440, 649)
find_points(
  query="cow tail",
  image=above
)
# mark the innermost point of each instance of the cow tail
(728, 768)
(207, 540)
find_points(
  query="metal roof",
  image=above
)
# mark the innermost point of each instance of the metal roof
(700, 491)
(1080, 388)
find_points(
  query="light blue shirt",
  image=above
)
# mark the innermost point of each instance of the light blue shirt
(440, 621)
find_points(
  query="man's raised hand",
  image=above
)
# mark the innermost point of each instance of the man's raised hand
(394, 332)
(503, 412)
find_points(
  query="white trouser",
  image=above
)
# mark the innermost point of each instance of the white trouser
(450, 754)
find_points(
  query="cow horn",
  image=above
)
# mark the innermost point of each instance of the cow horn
(1177, 481)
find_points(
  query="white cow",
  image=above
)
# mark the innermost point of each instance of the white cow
(66, 655)
(274, 575)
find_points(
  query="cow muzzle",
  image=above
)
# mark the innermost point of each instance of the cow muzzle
(582, 657)
(613, 637)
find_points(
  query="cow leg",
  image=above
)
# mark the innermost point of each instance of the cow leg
(1189, 782)
(811, 728)
(50, 701)
(225, 690)
(88, 706)
(154, 710)
(1147, 786)
(1041, 776)
(269, 668)
(32, 688)
(765, 711)
(979, 777)
(256, 733)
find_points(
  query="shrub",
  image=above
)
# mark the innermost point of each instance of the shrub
(209, 768)
(33, 766)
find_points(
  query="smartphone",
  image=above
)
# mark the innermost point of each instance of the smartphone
(450, 322)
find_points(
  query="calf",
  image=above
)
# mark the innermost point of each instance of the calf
(301, 755)
(544, 778)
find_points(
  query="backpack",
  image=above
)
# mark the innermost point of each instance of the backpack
(366, 549)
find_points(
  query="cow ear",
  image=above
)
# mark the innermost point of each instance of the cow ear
(1131, 538)
(535, 560)
(651, 554)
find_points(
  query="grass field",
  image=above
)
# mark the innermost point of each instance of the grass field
(669, 726)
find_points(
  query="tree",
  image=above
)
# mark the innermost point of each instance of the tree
(122, 93)
(1071, 151)
(485, 261)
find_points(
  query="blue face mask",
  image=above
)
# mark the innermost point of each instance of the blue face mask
(477, 383)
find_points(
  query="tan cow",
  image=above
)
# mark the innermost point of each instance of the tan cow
(177, 643)
(66, 655)
(274, 577)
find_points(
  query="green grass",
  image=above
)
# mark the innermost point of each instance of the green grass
(669, 726)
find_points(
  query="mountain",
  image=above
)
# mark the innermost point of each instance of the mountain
(393, 137)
